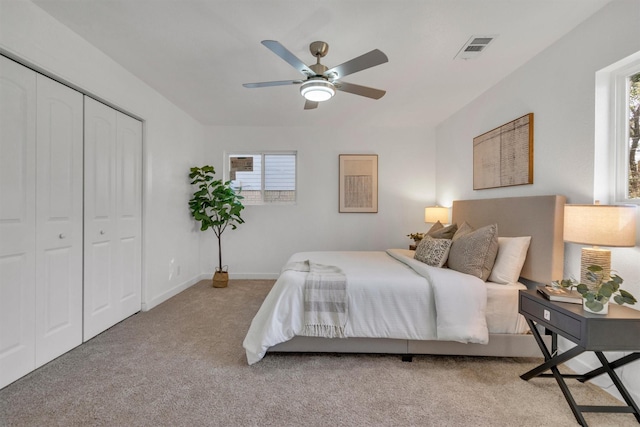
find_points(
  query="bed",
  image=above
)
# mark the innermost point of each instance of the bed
(399, 305)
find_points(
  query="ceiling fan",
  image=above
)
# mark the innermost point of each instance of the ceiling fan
(321, 82)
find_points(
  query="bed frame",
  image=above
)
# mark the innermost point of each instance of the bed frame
(540, 217)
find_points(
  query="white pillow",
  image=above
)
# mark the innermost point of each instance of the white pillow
(512, 251)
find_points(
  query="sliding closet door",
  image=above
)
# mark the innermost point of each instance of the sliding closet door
(48, 302)
(112, 269)
(58, 220)
(17, 220)
(129, 214)
(100, 275)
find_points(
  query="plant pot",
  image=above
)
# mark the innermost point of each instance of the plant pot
(220, 279)
(596, 307)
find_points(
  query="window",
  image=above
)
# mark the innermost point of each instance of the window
(627, 133)
(263, 177)
(633, 136)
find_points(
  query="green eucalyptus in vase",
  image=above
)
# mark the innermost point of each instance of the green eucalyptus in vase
(597, 294)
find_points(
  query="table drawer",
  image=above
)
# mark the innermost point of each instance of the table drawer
(547, 316)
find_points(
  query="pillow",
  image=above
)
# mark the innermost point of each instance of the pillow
(465, 228)
(512, 251)
(475, 253)
(443, 232)
(435, 227)
(432, 251)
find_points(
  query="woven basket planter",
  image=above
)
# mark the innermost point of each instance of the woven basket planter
(220, 279)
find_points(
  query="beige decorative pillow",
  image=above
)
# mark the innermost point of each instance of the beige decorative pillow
(474, 253)
(443, 232)
(432, 251)
(465, 228)
(435, 227)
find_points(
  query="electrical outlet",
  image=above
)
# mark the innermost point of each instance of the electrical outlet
(546, 314)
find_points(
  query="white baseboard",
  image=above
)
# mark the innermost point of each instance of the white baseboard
(603, 381)
(254, 276)
(245, 276)
(588, 361)
(146, 306)
(172, 292)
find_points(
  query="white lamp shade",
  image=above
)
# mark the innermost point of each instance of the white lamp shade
(434, 214)
(600, 225)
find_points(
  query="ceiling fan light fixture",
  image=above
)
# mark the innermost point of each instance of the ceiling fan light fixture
(320, 82)
(317, 90)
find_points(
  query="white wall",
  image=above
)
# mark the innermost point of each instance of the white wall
(261, 246)
(171, 138)
(558, 86)
(175, 252)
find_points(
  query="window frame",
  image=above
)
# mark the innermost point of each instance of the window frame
(620, 130)
(226, 173)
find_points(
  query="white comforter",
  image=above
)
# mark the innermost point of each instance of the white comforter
(391, 295)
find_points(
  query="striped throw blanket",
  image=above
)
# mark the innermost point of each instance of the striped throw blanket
(325, 299)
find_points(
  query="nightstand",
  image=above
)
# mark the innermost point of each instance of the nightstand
(617, 331)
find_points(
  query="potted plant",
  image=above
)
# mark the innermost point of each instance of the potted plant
(416, 237)
(217, 206)
(597, 294)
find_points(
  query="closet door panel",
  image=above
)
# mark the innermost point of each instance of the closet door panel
(100, 236)
(99, 302)
(129, 293)
(129, 211)
(58, 220)
(17, 220)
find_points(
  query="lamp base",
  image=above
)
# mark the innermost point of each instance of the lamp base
(595, 256)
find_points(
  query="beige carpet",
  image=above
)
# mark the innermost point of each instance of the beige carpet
(182, 363)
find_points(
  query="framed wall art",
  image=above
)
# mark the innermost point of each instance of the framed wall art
(503, 156)
(358, 183)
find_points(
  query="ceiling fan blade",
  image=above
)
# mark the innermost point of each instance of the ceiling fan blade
(369, 92)
(276, 83)
(289, 57)
(362, 62)
(310, 105)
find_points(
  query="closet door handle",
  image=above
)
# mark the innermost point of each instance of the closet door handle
(61, 236)
(101, 231)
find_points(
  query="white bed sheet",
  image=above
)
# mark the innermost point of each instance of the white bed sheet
(502, 309)
(502, 304)
(387, 299)
(368, 273)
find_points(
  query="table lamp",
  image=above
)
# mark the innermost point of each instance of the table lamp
(436, 213)
(599, 225)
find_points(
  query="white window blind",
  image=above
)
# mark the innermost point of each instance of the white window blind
(263, 177)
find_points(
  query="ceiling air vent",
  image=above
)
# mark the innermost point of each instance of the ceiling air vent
(474, 47)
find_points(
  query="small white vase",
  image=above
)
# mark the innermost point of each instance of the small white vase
(605, 307)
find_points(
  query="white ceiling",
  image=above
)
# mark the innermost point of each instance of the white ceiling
(197, 53)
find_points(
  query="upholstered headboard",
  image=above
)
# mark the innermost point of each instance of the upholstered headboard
(540, 217)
